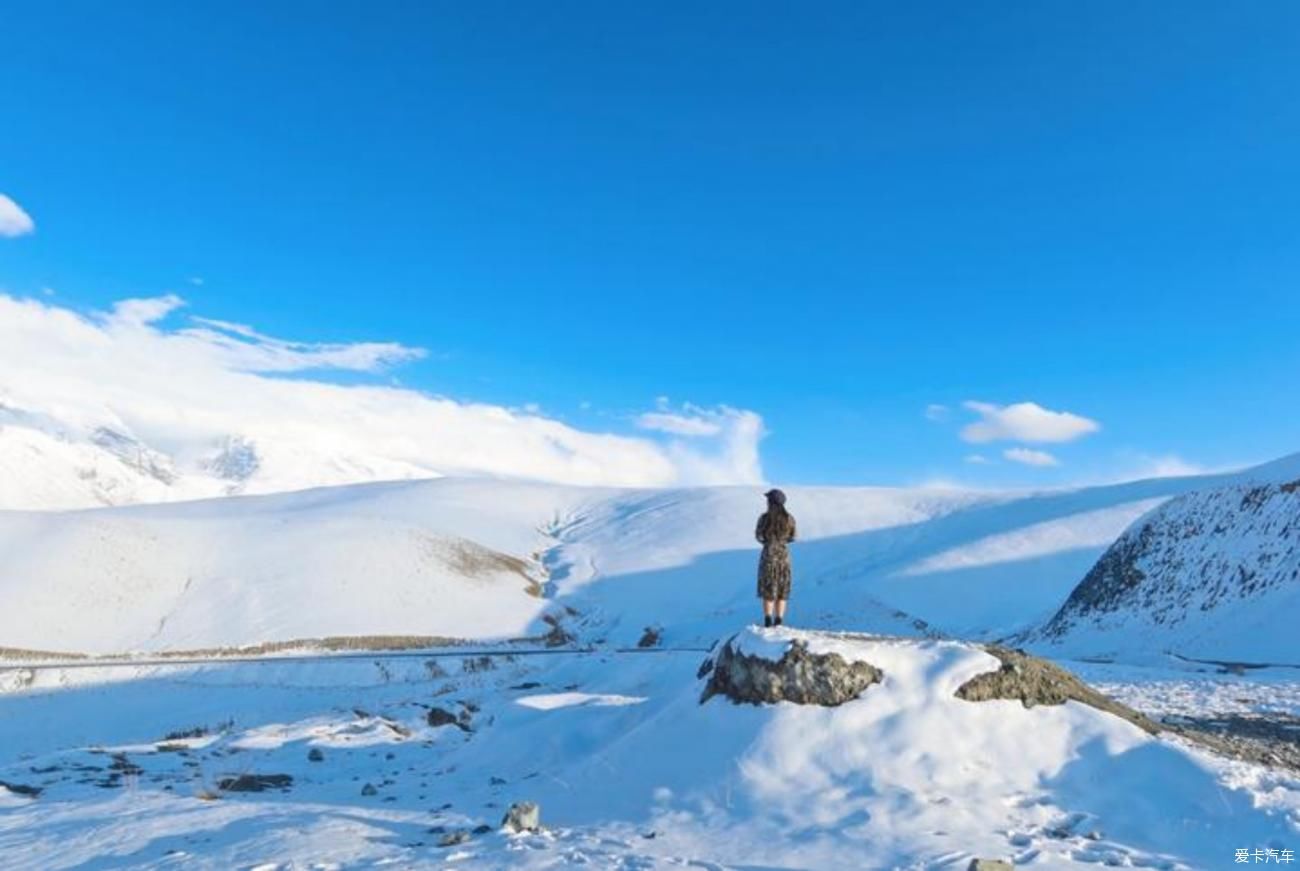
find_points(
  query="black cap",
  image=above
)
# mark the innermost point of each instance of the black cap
(775, 496)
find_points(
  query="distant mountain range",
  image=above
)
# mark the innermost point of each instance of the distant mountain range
(48, 464)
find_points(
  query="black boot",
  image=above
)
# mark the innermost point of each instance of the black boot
(778, 621)
(767, 621)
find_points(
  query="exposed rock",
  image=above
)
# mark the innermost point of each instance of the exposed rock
(451, 839)
(651, 637)
(135, 455)
(482, 829)
(477, 664)
(255, 782)
(315, 754)
(369, 790)
(798, 676)
(989, 865)
(235, 460)
(21, 789)
(124, 766)
(557, 636)
(443, 717)
(1035, 681)
(1271, 739)
(523, 816)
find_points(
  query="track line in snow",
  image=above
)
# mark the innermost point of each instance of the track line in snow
(466, 653)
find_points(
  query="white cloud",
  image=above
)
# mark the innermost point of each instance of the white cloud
(13, 220)
(690, 421)
(1024, 422)
(245, 348)
(977, 459)
(181, 389)
(1030, 457)
(1166, 466)
(732, 433)
(936, 412)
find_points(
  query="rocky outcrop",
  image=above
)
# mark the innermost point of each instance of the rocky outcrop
(1177, 569)
(799, 676)
(523, 816)
(255, 782)
(1033, 681)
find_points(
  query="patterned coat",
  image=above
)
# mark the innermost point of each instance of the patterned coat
(775, 530)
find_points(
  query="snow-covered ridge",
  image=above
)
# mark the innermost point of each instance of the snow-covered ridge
(1213, 574)
(481, 559)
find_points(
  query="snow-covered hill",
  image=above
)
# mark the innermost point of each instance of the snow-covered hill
(491, 559)
(1213, 574)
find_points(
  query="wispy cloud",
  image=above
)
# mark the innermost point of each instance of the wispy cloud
(185, 387)
(977, 459)
(1161, 466)
(691, 421)
(247, 349)
(936, 412)
(13, 220)
(1030, 457)
(1024, 422)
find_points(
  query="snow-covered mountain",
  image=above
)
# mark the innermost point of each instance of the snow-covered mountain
(46, 464)
(1212, 574)
(410, 762)
(474, 558)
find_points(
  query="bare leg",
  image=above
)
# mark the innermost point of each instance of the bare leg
(768, 607)
(780, 608)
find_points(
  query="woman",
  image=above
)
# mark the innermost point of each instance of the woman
(775, 531)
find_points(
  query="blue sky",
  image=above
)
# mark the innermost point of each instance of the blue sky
(833, 215)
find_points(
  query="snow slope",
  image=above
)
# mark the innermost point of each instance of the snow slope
(630, 770)
(468, 558)
(1213, 574)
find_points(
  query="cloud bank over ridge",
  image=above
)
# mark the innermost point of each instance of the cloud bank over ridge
(187, 391)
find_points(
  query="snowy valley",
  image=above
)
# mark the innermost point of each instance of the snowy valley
(372, 674)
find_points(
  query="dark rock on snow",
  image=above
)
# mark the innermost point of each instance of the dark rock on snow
(798, 676)
(523, 816)
(254, 782)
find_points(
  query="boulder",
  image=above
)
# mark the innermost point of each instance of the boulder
(443, 717)
(255, 782)
(988, 865)
(523, 816)
(1033, 681)
(799, 676)
(451, 839)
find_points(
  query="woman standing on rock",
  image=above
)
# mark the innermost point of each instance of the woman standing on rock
(775, 531)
